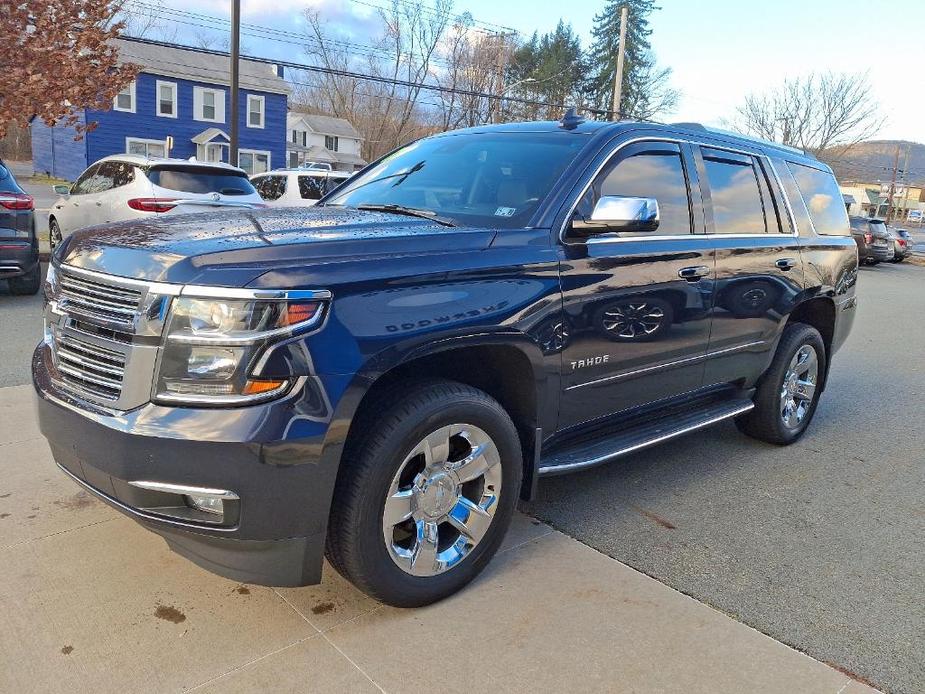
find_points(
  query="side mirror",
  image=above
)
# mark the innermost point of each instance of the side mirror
(617, 213)
(62, 189)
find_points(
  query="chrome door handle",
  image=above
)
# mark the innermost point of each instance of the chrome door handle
(692, 274)
(786, 263)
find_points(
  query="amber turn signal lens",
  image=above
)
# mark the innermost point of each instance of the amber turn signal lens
(298, 312)
(263, 386)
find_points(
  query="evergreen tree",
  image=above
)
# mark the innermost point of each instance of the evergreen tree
(645, 85)
(548, 68)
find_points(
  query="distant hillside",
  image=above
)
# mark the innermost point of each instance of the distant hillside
(872, 161)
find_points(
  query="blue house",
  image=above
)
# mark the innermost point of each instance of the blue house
(179, 106)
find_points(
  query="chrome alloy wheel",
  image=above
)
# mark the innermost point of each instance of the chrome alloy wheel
(442, 500)
(799, 387)
(633, 320)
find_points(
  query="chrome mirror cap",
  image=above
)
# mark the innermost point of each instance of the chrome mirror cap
(618, 213)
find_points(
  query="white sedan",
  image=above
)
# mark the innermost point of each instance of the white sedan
(297, 187)
(127, 186)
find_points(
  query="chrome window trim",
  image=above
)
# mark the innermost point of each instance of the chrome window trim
(664, 237)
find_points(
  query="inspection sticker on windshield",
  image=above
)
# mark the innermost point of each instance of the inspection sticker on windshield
(505, 212)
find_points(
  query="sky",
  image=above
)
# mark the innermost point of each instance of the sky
(719, 50)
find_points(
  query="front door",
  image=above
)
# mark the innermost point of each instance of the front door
(637, 305)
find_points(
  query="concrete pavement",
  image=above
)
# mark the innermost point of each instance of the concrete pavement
(92, 602)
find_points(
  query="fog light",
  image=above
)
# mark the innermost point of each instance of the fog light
(209, 504)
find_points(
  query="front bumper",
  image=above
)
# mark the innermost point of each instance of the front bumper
(275, 535)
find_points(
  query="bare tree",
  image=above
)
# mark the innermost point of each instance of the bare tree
(826, 112)
(386, 113)
(145, 19)
(651, 94)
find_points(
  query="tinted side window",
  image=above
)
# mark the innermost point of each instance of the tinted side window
(112, 174)
(83, 182)
(270, 187)
(311, 187)
(734, 192)
(823, 199)
(655, 174)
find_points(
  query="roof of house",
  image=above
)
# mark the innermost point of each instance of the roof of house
(208, 135)
(324, 125)
(199, 67)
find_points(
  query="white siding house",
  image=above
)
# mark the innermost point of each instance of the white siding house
(322, 140)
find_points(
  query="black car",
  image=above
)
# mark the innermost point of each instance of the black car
(381, 376)
(874, 242)
(19, 245)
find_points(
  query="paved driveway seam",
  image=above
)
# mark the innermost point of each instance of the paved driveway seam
(60, 532)
(334, 645)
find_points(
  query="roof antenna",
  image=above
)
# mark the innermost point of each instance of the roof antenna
(571, 120)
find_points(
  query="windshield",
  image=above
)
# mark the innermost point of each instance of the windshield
(201, 179)
(476, 179)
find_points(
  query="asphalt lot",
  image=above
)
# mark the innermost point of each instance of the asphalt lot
(820, 544)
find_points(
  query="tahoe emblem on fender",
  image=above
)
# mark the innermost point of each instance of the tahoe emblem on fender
(590, 361)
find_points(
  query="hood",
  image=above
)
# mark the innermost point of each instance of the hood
(234, 247)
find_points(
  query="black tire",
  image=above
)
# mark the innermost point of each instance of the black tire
(54, 234)
(765, 421)
(27, 284)
(355, 540)
(899, 259)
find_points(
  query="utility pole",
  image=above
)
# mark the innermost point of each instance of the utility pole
(889, 199)
(905, 180)
(618, 77)
(235, 54)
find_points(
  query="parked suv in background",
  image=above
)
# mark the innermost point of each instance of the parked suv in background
(19, 246)
(382, 376)
(297, 187)
(128, 186)
(875, 245)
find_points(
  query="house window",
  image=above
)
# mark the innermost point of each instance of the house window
(255, 105)
(330, 143)
(146, 148)
(125, 100)
(166, 99)
(295, 137)
(254, 161)
(209, 104)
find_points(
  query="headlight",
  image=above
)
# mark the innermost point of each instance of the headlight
(213, 343)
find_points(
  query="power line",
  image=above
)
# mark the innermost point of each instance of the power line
(336, 72)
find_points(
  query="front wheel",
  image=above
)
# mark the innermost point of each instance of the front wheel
(54, 234)
(789, 392)
(426, 495)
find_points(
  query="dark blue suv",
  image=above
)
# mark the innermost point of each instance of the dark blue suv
(379, 378)
(19, 245)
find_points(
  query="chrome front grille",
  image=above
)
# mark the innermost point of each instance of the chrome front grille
(96, 298)
(89, 367)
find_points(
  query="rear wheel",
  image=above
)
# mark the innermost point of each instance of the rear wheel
(426, 495)
(29, 283)
(789, 392)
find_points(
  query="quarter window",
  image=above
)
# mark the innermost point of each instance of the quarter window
(823, 200)
(657, 173)
(735, 195)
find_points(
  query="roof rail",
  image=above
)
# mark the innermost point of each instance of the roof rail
(730, 133)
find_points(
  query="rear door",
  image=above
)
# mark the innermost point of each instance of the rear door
(759, 268)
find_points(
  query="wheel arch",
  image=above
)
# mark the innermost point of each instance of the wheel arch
(819, 312)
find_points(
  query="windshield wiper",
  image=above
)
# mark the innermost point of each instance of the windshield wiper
(409, 211)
